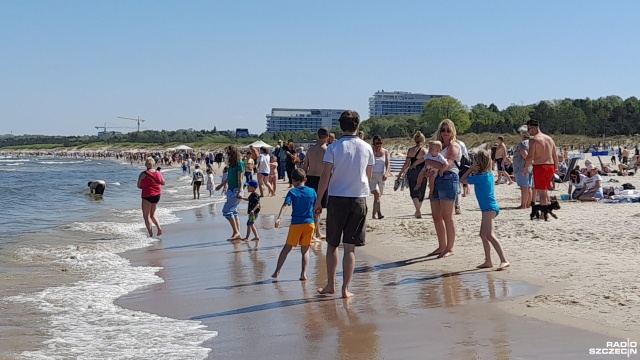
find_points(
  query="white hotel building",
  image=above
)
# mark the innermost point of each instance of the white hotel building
(284, 119)
(384, 103)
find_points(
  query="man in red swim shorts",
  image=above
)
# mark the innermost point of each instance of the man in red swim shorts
(543, 156)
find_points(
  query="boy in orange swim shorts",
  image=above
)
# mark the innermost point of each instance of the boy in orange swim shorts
(301, 199)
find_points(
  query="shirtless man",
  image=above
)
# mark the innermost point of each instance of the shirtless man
(97, 187)
(313, 165)
(625, 156)
(501, 155)
(544, 158)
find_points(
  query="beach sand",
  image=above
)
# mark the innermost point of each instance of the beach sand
(585, 261)
(562, 295)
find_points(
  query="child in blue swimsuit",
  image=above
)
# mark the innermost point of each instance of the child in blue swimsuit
(481, 176)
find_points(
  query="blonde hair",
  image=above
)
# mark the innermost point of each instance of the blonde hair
(451, 126)
(418, 137)
(435, 143)
(149, 162)
(483, 159)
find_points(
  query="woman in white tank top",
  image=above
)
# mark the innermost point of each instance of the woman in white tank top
(379, 174)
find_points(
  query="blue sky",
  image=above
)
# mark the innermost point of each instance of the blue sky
(67, 66)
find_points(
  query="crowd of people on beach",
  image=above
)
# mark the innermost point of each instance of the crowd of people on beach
(337, 175)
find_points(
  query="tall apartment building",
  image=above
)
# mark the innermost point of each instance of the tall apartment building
(384, 103)
(283, 119)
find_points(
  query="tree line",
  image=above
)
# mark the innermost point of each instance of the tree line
(610, 116)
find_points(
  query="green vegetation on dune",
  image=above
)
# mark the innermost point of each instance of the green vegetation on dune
(577, 122)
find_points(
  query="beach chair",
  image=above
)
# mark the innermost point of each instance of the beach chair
(565, 178)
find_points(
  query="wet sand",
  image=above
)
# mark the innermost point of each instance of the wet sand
(397, 313)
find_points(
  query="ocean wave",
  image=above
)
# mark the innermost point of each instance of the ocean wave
(13, 159)
(14, 164)
(60, 162)
(115, 183)
(83, 320)
(7, 169)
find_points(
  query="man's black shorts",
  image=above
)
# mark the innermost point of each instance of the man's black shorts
(314, 182)
(346, 220)
(99, 190)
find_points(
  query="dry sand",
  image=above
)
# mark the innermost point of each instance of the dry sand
(586, 261)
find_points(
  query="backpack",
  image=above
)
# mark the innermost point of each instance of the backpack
(463, 166)
(628, 186)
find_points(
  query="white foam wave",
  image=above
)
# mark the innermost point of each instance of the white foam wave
(12, 159)
(60, 162)
(7, 169)
(14, 164)
(116, 183)
(84, 321)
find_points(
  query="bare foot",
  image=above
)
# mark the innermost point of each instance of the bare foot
(235, 237)
(255, 239)
(275, 275)
(503, 266)
(484, 266)
(445, 254)
(159, 232)
(326, 290)
(346, 294)
(435, 252)
(321, 236)
(303, 277)
(418, 215)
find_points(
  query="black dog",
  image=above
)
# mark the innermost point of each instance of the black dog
(546, 210)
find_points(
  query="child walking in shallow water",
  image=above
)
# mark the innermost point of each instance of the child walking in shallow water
(253, 209)
(301, 199)
(481, 176)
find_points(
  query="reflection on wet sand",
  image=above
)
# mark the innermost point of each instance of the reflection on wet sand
(395, 310)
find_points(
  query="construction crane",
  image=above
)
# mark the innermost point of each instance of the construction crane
(105, 126)
(138, 120)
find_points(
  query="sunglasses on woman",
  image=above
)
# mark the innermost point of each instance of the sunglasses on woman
(445, 130)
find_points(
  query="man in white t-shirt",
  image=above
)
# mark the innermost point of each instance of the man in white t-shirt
(348, 164)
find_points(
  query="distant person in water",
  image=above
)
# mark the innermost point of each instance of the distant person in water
(150, 182)
(97, 187)
(196, 181)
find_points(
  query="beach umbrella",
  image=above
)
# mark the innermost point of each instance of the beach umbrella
(258, 144)
(183, 147)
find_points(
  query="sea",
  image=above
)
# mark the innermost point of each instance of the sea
(61, 267)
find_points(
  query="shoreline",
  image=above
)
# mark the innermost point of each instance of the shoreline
(228, 288)
(387, 249)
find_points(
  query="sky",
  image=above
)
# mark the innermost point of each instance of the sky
(68, 66)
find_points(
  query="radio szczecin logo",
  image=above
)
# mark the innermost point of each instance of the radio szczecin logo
(627, 348)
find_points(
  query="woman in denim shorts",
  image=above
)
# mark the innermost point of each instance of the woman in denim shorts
(447, 188)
